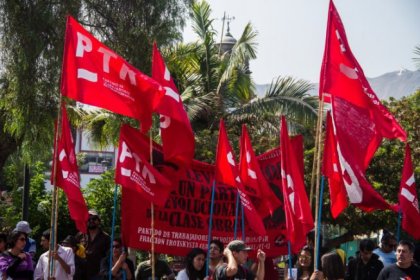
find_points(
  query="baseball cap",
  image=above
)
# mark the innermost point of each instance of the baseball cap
(23, 226)
(238, 245)
(93, 212)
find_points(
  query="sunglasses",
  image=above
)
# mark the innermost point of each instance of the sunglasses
(22, 239)
(303, 257)
(116, 246)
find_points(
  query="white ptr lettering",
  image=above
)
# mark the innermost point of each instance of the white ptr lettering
(87, 75)
(290, 185)
(83, 44)
(342, 47)
(107, 58)
(251, 173)
(167, 74)
(165, 121)
(145, 172)
(171, 93)
(124, 71)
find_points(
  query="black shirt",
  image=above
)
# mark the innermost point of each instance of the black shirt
(393, 272)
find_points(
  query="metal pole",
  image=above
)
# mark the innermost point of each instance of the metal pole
(25, 196)
(210, 225)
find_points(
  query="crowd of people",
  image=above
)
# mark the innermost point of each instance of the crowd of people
(89, 256)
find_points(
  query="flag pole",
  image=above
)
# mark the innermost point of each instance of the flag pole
(399, 225)
(112, 231)
(236, 215)
(289, 250)
(318, 235)
(317, 172)
(243, 222)
(53, 222)
(210, 225)
(314, 162)
(152, 216)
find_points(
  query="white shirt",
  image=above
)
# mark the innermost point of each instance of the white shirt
(182, 275)
(41, 270)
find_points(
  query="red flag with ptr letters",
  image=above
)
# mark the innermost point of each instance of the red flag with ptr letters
(175, 128)
(297, 210)
(67, 174)
(343, 78)
(93, 74)
(252, 177)
(408, 199)
(226, 172)
(133, 170)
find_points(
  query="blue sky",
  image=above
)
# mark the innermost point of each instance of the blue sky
(382, 34)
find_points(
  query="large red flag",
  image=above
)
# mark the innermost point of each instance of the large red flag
(133, 171)
(175, 128)
(332, 170)
(67, 174)
(93, 74)
(252, 177)
(359, 119)
(227, 173)
(408, 199)
(297, 210)
(343, 78)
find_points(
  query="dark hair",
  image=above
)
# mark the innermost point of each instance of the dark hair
(387, 237)
(46, 234)
(367, 245)
(311, 266)
(332, 266)
(407, 243)
(219, 244)
(189, 267)
(13, 238)
(3, 237)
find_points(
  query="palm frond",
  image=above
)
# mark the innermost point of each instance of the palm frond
(417, 59)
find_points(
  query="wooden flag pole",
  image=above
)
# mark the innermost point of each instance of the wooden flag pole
(152, 222)
(317, 172)
(314, 162)
(54, 202)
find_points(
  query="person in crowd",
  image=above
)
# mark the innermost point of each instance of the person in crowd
(236, 253)
(305, 263)
(3, 242)
(366, 265)
(144, 269)
(332, 268)
(404, 268)
(386, 251)
(30, 247)
(63, 261)
(194, 266)
(215, 255)
(79, 262)
(120, 263)
(97, 245)
(15, 263)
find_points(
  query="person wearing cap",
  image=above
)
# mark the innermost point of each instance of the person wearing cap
(97, 245)
(63, 261)
(30, 247)
(236, 253)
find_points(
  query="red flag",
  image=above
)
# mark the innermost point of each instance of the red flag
(134, 172)
(228, 174)
(297, 210)
(175, 128)
(332, 170)
(252, 178)
(408, 199)
(95, 75)
(67, 174)
(342, 77)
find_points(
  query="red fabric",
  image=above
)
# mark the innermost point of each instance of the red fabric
(93, 74)
(332, 170)
(350, 150)
(67, 174)
(299, 219)
(183, 223)
(133, 170)
(175, 128)
(227, 173)
(252, 177)
(408, 199)
(342, 76)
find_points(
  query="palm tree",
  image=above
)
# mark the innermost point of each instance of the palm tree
(217, 86)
